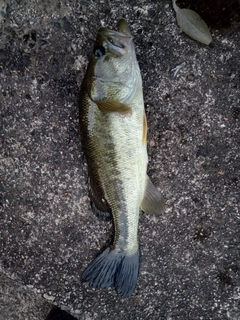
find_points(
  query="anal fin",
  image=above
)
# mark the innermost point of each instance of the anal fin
(153, 202)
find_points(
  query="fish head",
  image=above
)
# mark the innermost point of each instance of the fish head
(113, 69)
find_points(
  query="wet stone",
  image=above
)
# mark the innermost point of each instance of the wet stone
(67, 26)
(3, 55)
(56, 25)
(42, 42)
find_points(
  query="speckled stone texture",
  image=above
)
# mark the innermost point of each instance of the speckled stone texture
(19, 302)
(190, 266)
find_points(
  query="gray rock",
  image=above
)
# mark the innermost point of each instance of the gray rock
(190, 255)
(20, 302)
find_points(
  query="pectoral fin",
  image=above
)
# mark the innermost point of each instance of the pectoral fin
(113, 106)
(153, 202)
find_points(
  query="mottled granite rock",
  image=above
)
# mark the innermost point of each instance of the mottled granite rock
(190, 265)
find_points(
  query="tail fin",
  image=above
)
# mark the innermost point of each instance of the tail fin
(113, 269)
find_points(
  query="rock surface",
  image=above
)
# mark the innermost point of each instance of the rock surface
(190, 266)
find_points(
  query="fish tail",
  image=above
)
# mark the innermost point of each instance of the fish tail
(113, 268)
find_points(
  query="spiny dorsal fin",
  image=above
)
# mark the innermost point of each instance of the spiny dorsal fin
(153, 202)
(113, 106)
(144, 136)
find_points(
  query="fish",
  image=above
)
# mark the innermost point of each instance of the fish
(113, 127)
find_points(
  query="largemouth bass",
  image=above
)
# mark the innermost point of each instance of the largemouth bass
(114, 133)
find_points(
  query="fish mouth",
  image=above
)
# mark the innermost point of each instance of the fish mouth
(117, 42)
(123, 27)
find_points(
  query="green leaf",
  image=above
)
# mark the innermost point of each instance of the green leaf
(192, 24)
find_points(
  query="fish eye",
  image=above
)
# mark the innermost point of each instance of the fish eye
(99, 51)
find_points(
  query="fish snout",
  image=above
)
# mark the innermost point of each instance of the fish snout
(123, 27)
